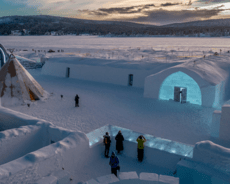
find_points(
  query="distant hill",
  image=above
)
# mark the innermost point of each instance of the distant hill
(52, 25)
(205, 23)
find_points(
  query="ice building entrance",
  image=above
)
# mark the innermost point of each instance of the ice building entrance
(180, 94)
(181, 88)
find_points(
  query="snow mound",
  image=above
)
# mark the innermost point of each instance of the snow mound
(212, 155)
(212, 148)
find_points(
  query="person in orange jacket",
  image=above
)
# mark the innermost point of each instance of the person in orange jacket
(107, 142)
(140, 147)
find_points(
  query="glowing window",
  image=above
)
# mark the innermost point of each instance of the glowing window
(180, 79)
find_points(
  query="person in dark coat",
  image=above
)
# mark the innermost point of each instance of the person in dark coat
(119, 142)
(107, 142)
(76, 100)
(114, 162)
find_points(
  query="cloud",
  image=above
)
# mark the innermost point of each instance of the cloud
(213, 1)
(169, 4)
(150, 11)
(166, 17)
(153, 14)
(122, 10)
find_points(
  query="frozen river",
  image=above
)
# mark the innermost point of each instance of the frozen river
(94, 42)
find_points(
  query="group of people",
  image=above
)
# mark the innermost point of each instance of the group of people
(114, 161)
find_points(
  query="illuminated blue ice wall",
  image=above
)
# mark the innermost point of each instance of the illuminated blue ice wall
(180, 79)
(96, 137)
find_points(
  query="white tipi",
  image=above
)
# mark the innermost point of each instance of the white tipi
(17, 85)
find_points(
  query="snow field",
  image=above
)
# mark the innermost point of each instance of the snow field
(102, 104)
(130, 49)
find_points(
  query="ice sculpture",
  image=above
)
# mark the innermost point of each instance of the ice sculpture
(152, 142)
(182, 80)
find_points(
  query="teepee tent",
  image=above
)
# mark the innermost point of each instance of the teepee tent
(17, 86)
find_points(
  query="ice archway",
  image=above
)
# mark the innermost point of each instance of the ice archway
(3, 55)
(180, 79)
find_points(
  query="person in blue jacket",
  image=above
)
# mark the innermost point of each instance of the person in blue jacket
(114, 162)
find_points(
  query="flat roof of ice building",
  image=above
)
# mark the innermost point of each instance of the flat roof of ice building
(213, 69)
(169, 146)
(125, 64)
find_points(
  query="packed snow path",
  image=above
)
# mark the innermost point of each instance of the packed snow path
(102, 104)
(97, 167)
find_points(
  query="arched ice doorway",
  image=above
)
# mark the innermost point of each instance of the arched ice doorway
(180, 80)
(4, 56)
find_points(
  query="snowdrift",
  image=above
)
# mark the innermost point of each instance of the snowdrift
(210, 164)
(37, 150)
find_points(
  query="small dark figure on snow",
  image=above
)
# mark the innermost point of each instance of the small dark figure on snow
(61, 96)
(114, 162)
(28, 105)
(140, 147)
(119, 144)
(76, 100)
(107, 142)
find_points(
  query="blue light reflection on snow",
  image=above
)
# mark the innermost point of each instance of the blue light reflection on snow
(180, 79)
(152, 142)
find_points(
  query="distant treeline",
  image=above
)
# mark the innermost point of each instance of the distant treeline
(41, 25)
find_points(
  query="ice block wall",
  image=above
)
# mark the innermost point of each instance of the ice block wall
(96, 137)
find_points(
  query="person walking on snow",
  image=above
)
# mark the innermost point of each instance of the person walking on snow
(76, 100)
(107, 142)
(114, 163)
(119, 142)
(140, 147)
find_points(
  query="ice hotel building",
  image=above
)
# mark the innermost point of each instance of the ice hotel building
(202, 82)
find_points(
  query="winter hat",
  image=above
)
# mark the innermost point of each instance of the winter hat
(107, 133)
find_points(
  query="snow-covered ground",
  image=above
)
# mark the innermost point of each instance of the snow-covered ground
(124, 106)
(138, 49)
(102, 104)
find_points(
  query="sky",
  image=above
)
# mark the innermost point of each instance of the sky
(156, 12)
